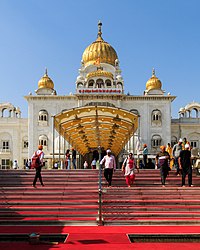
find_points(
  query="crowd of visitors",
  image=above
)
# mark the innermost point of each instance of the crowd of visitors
(178, 157)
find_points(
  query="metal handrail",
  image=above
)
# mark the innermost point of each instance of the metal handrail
(100, 216)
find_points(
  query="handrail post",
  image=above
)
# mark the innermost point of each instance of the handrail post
(53, 146)
(100, 217)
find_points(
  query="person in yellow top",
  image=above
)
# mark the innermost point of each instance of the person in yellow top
(169, 150)
(184, 143)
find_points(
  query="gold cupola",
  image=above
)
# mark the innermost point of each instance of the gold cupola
(153, 82)
(99, 51)
(45, 82)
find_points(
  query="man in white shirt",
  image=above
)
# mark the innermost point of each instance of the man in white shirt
(110, 165)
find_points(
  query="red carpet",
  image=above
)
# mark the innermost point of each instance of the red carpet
(71, 197)
(105, 237)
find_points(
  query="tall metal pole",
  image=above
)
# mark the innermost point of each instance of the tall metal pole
(100, 218)
(53, 132)
(59, 143)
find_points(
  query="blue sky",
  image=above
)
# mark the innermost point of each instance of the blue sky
(160, 34)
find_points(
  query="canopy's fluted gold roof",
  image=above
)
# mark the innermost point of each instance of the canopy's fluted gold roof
(153, 82)
(99, 51)
(89, 127)
(45, 82)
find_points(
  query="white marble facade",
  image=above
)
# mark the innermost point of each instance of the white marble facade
(99, 81)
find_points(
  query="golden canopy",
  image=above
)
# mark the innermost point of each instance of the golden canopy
(89, 127)
(100, 51)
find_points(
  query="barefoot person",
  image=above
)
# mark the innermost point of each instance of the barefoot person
(162, 162)
(110, 165)
(128, 167)
(37, 161)
(185, 164)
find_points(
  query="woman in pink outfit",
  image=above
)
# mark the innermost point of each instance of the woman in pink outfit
(128, 167)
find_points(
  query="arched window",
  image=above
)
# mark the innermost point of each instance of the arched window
(156, 141)
(43, 115)
(156, 115)
(43, 140)
(25, 142)
(194, 113)
(79, 85)
(156, 118)
(135, 111)
(6, 112)
(90, 83)
(119, 85)
(108, 83)
(99, 83)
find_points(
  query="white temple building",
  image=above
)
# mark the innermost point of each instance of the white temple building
(98, 84)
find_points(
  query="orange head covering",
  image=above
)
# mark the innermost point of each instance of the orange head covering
(145, 145)
(162, 147)
(40, 147)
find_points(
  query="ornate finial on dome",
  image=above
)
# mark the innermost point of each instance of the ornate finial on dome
(99, 49)
(99, 27)
(153, 72)
(46, 73)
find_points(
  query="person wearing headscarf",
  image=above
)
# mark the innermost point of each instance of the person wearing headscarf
(38, 175)
(128, 167)
(169, 150)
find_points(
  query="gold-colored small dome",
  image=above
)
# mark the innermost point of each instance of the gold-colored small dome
(153, 82)
(100, 73)
(45, 82)
(100, 51)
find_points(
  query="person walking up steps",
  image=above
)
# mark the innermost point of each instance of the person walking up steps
(37, 163)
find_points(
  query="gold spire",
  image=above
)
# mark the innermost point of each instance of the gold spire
(45, 81)
(99, 27)
(99, 50)
(153, 82)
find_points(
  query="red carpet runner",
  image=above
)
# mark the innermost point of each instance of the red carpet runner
(71, 198)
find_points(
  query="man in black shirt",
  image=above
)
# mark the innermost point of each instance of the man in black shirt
(185, 164)
(74, 158)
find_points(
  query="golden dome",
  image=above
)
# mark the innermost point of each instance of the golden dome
(45, 82)
(153, 82)
(99, 51)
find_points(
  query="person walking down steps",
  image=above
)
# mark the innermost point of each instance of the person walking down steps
(128, 168)
(110, 165)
